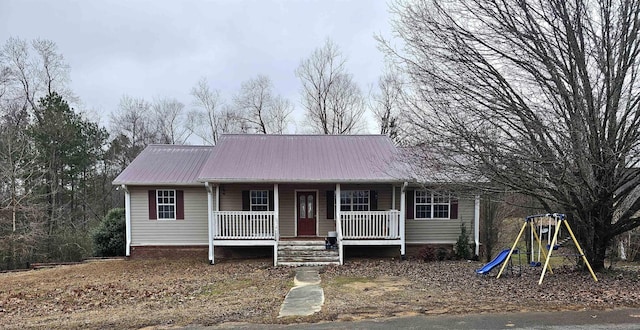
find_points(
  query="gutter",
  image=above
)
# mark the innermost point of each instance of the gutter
(127, 217)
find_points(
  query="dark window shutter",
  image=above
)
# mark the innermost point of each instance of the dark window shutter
(454, 208)
(410, 201)
(180, 204)
(373, 200)
(246, 200)
(153, 210)
(330, 204)
(271, 200)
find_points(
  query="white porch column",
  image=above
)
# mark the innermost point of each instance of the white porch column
(403, 212)
(127, 217)
(276, 222)
(210, 219)
(339, 224)
(476, 224)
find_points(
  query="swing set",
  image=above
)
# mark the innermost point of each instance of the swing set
(538, 230)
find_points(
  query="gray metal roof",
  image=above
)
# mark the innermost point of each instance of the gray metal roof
(165, 165)
(302, 158)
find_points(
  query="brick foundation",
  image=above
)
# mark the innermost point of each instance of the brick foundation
(200, 251)
(163, 251)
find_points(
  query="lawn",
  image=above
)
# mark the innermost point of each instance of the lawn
(140, 293)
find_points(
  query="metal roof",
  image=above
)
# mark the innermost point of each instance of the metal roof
(302, 158)
(165, 165)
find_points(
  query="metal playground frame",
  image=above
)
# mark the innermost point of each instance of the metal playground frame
(558, 220)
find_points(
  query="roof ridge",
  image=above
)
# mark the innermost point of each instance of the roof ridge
(328, 135)
(180, 145)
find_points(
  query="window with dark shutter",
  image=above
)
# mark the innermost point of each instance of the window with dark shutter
(152, 205)
(246, 200)
(373, 200)
(166, 204)
(180, 204)
(331, 204)
(454, 208)
(409, 198)
(271, 200)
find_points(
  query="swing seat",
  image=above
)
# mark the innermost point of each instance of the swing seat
(555, 247)
(535, 264)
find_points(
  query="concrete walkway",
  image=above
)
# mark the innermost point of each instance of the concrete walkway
(306, 297)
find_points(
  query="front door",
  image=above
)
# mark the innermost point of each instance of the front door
(306, 213)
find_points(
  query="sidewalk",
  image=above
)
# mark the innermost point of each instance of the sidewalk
(306, 297)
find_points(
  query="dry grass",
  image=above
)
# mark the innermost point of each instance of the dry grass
(161, 293)
(139, 293)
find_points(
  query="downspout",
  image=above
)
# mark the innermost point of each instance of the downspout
(476, 224)
(403, 212)
(210, 219)
(127, 217)
(276, 222)
(339, 224)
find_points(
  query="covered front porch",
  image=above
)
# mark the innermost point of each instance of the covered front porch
(298, 217)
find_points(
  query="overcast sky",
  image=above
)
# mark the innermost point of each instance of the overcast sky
(162, 48)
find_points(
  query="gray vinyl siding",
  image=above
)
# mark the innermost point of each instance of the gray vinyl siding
(441, 231)
(193, 229)
(190, 231)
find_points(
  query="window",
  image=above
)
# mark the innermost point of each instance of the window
(432, 204)
(354, 200)
(166, 204)
(259, 200)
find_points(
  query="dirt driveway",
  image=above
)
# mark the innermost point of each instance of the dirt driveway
(165, 293)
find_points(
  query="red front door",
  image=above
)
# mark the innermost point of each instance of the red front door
(306, 213)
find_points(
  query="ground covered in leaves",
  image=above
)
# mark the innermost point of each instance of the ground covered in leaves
(165, 293)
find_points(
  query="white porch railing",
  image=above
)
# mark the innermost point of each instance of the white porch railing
(370, 224)
(243, 225)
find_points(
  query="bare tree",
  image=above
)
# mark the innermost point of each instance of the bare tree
(133, 126)
(170, 121)
(212, 117)
(387, 103)
(333, 102)
(264, 112)
(33, 70)
(538, 96)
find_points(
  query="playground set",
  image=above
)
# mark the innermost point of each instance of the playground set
(541, 226)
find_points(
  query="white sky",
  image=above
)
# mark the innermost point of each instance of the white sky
(162, 48)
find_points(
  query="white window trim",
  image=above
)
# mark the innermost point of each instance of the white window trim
(251, 204)
(158, 204)
(432, 193)
(351, 198)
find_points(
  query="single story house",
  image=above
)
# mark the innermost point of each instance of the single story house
(288, 192)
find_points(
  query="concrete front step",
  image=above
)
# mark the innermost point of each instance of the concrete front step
(307, 263)
(327, 253)
(302, 247)
(321, 257)
(306, 253)
(301, 242)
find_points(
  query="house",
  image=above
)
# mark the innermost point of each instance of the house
(288, 193)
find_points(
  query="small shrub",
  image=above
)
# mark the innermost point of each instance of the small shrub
(462, 249)
(427, 253)
(443, 254)
(431, 253)
(109, 237)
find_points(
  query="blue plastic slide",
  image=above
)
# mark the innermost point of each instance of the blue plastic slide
(499, 259)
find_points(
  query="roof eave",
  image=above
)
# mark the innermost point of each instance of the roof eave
(331, 181)
(159, 183)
